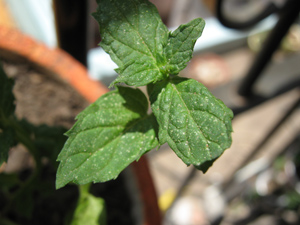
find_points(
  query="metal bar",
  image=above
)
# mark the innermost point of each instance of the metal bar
(258, 100)
(232, 191)
(265, 140)
(270, 9)
(288, 14)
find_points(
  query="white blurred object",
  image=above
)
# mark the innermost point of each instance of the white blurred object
(35, 18)
(186, 211)
(214, 202)
(262, 182)
(252, 169)
(100, 64)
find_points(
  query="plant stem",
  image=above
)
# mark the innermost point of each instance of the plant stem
(84, 189)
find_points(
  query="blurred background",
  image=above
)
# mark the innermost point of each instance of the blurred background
(249, 57)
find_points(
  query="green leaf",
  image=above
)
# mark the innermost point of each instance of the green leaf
(6, 142)
(134, 36)
(108, 135)
(138, 73)
(179, 49)
(195, 124)
(90, 210)
(7, 106)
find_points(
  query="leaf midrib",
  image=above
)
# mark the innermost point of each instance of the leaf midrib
(117, 137)
(133, 27)
(189, 114)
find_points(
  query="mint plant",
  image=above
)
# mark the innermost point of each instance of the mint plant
(117, 129)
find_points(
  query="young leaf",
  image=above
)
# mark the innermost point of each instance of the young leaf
(133, 35)
(108, 135)
(195, 124)
(181, 43)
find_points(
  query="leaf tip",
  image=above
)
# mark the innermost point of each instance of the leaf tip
(59, 183)
(205, 166)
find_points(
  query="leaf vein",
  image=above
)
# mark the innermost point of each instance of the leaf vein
(178, 93)
(134, 28)
(112, 140)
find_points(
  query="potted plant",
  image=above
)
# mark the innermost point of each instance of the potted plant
(117, 128)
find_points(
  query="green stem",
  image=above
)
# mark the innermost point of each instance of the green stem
(84, 189)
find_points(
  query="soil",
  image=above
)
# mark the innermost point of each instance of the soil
(44, 99)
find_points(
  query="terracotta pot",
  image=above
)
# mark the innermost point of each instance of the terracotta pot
(16, 46)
